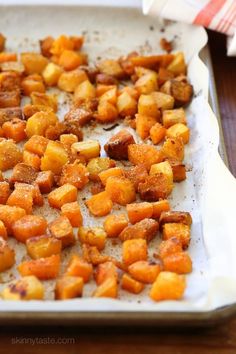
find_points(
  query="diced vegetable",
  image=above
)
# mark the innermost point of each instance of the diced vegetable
(54, 158)
(45, 181)
(75, 174)
(93, 236)
(25, 288)
(147, 83)
(68, 287)
(22, 198)
(139, 211)
(4, 192)
(178, 130)
(126, 105)
(159, 207)
(9, 215)
(168, 286)
(144, 154)
(106, 112)
(42, 268)
(134, 250)
(144, 272)
(179, 263)
(178, 230)
(34, 63)
(171, 246)
(136, 175)
(87, 149)
(85, 90)
(157, 133)
(80, 268)
(117, 145)
(10, 154)
(29, 226)
(73, 213)
(174, 116)
(23, 173)
(61, 229)
(68, 81)
(109, 288)
(31, 159)
(70, 59)
(175, 217)
(32, 83)
(179, 171)
(105, 271)
(144, 229)
(97, 165)
(51, 74)
(7, 256)
(164, 168)
(115, 224)
(147, 106)
(155, 187)
(38, 123)
(131, 285)
(36, 144)
(121, 190)
(177, 66)
(144, 125)
(111, 172)
(99, 204)
(111, 67)
(43, 246)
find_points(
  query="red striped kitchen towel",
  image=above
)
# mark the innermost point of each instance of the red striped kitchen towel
(218, 15)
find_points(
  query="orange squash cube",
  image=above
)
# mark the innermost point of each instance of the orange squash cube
(7, 256)
(109, 288)
(45, 181)
(131, 285)
(107, 112)
(73, 213)
(104, 271)
(62, 195)
(32, 83)
(155, 187)
(34, 63)
(173, 148)
(29, 226)
(121, 190)
(60, 44)
(4, 192)
(42, 99)
(178, 263)
(10, 154)
(144, 272)
(93, 236)
(179, 171)
(157, 133)
(75, 174)
(15, 130)
(145, 229)
(111, 172)
(159, 207)
(168, 286)
(80, 268)
(9, 215)
(25, 288)
(134, 250)
(31, 159)
(144, 124)
(43, 246)
(136, 175)
(139, 211)
(115, 224)
(3, 231)
(43, 268)
(37, 145)
(171, 246)
(126, 104)
(179, 130)
(51, 74)
(61, 229)
(38, 123)
(68, 287)
(179, 230)
(144, 154)
(99, 204)
(70, 60)
(22, 198)
(69, 80)
(5, 57)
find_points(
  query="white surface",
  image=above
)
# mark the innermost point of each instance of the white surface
(209, 191)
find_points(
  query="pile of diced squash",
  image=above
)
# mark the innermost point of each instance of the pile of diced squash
(53, 163)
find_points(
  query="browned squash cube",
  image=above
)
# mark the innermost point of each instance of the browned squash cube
(111, 172)
(131, 285)
(126, 104)
(93, 236)
(111, 67)
(62, 195)
(10, 214)
(179, 171)
(29, 226)
(45, 181)
(114, 224)
(61, 229)
(136, 175)
(54, 158)
(144, 229)
(144, 125)
(97, 165)
(117, 145)
(157, 133)
(80, 268)
(75, 174)
(32, 83)
(46, 45)
(37, 145)
(173, 149)
(155, 187)
(174, 116)
(99, 204)
(178, 230)
(168, 286)
(38, 123)
(175, 217)
(104, 271)
(73, 213)
(159, 207)
(42, 99)
(179, 263)
(109, 288)
(134, 250)
(43, 246)
(139, 211)
(147, 83)
(31, 159)
(106, 112)
(34, 63)
(22, 198)
(171, 246)
(144, 271)
(3, 231)
(144, 154)
(23, 173)
(68, 81)
(147, 106)
(43, 268)
(25, 288)
(4, 192)
(179, 130)
(68, 287)
(9, 99)
(7, 256)
(121, 190)
(10, 81)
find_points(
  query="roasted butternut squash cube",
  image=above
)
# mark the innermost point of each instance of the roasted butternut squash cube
(51, 74)
(97, 165)
(144, 229)
(173, 149)
(87, 149)
(134, 250)
(32, 83)
(60, 44)
(178, 230)
(78, 267)
(4, 192)
(61, 229)
(85, 90)
(9, 215)
(75, 174)
(104, 87)
(171, 246)
(121, 190)
(29, 226)
(157, 133)
(145, 272)
(93, 236)
(46, 45)
(99, 204)
(110, 96)
(54, 158)
(38, 123)
(68, 81)
(62, 195)
(147, 83)
(117, 145)
(73, 213)
(179, 263)
(152, 61)
(136, 174)
(147, 106)
(126, 104)
(178, 65)
(43, 268)
(111, 67)
(45, 181)
(25, 288)
(155, 187)
(105, 271)
(131, 285)
(168, 286)
(7, 256)
(43, 246)
(9, 98)
(14, 130)
(10, 81)
(139, 211)
(29, 110)
(5, 57)
(131, 91)
(163, 101)
(106, 112)
(3, 231)
(179, 170)
(68, 287)
(92, 254)
(23, 173)
(78, 42)
(70, 59)
(22, 198)
(173, 116)
(159, 207)
(109, 288)
(34, 63)
(178, 130)
(162, 167)
(111, 172)
(31, 159)
(10, 154)
(36, 144)
(115, 224)
(175, 217)
(144, 125)
(144, 154)
(42, 99)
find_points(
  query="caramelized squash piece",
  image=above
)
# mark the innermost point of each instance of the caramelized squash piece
(157, 133)
(54, 158)
(9, 215)
(136, 175)
(25, 288)
(68, 81)
(144, 272)
(175, 217)
(10, 154)
(22, 198)
(43, 246)
(32, 83)
(115, 224)
(68, 287)
(37, 145)
(111, 172)
(155, 187)
(139, 211)
(168, 286)
(144, 229)
(45, 181)
(144, 154)
(7, 256)
(23, 173)
(117, 145)
(179, 230)
(134, 250)
(121, 190)
(98, 165)
(105, 271)
(171, 246)
(51, 74)
(93, 236)
(29, 226)
(75, 174)
(73, 213)
(109, 288)
(80, 268)
(43, 268)
(3, 231)
(4, 192)
(70, 59)
(61, 229)
(174, 116)
(9, 98)
(159, 207)
(99, 204)
(131, 285)
(32, 160)
(34, 63)
(38, 123)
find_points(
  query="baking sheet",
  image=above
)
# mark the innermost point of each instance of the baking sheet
(209, 190)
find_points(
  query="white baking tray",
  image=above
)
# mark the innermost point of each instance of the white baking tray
(208, 193)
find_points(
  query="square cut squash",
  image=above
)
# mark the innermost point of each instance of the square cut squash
(73, 213)
(99, 204)
(62, 195)
(168, 286)
(43, 246)
(69, 287)
(78, 267)
(121, 190)
(29, 226)
(134, 250)
(61, 229)
(43, 268)
(54, 158)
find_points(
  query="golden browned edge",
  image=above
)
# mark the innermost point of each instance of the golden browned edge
(166, 319)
